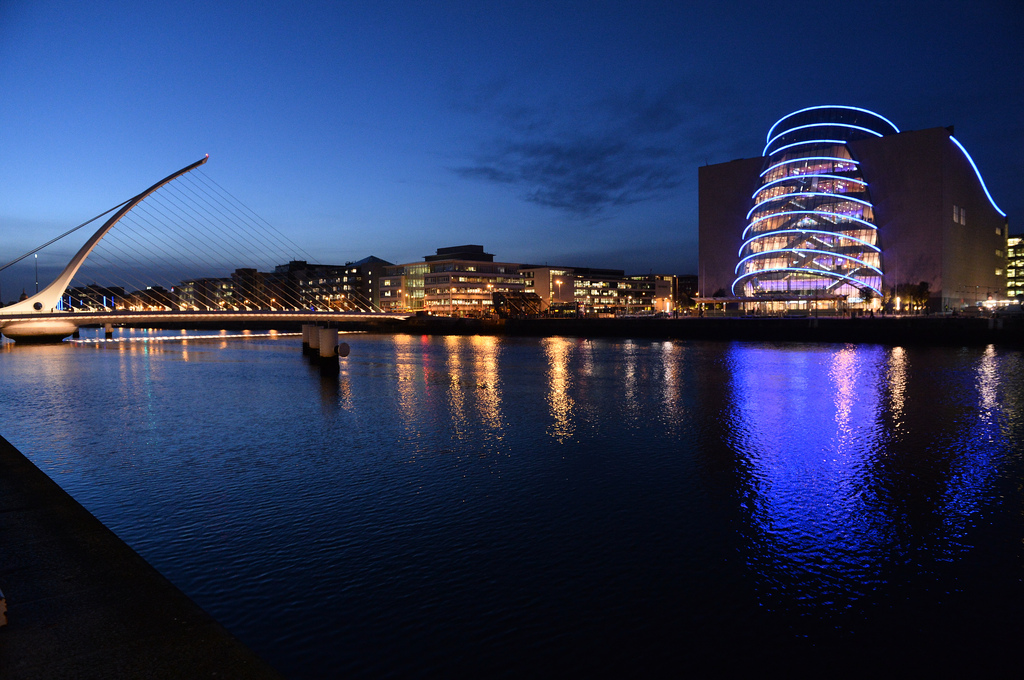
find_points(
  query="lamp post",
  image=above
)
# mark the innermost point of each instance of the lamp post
(37, 271)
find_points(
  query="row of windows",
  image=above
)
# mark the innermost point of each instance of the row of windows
(805, 281)
(844, 240)
(816, 184)
(463, 267)
(457, 302)
(445, 291)
(820, 255)
(822, 160)
(471, 279)
(819, 204)
(822, 221)
(824, 262)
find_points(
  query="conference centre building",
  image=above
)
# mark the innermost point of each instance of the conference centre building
(844, 211)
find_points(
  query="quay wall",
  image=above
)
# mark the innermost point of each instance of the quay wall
(903, 331)
(82, 604)
(884, 330)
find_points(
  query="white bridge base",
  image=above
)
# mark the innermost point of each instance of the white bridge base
(39, 330)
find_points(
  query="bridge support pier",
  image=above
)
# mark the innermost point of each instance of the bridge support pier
(328, 354)
(34, 331)
(108, 330)
(314, 344)
(307, 330)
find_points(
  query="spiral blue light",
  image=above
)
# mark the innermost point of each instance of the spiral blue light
(818, 175)
(814, 245)
(978, 173)
(808, 158)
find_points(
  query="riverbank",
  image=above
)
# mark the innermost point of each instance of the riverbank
(82, 604)
(904, 331)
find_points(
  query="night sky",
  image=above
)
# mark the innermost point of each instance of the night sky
(549, 132)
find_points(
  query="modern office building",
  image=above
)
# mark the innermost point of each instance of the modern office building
(348, 287)
(455, 281)
(591, 290)
(841, 210)
(1014, 267)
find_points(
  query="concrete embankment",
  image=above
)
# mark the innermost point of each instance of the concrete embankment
(82, 604)
(906, 331)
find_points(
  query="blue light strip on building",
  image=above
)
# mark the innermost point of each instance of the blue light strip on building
(797, 251)
(813, 174)
(806, 271)
(841, 197)
(978, 173)
(815, 108)
(808, 141)
(812, 125)
(809, 158)
(805, 212)
(806, 231)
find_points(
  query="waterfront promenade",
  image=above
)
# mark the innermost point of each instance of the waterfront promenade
(82, 604)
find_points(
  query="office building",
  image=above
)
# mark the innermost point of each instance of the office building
(455, 281)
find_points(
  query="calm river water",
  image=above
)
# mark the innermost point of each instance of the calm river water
(476, 506)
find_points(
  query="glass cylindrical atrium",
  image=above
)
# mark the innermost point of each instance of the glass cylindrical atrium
(811, 230)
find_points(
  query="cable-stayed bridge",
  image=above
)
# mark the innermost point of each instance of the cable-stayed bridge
(189, 251)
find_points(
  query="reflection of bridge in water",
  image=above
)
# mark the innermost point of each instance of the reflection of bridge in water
(43, 317)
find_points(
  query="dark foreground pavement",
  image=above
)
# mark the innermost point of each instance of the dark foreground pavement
(82, 604)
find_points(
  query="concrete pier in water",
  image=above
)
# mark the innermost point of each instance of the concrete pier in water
(82, 604)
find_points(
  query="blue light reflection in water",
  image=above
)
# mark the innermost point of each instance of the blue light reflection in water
(805, 421)
(483, 506)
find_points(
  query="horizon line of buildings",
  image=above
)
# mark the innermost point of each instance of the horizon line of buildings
(454, 281)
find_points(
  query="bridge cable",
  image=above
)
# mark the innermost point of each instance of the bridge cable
(66, 233)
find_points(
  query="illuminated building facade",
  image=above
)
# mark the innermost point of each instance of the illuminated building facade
(591, 290)
(1014, 267)
(401, 287)
(351, 286)
(455, 281)
(841, 209)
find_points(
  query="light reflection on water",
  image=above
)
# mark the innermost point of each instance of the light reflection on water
(805, 420)
(475, 505)
(558, 352)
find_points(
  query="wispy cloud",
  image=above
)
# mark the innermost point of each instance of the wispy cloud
(587, 159)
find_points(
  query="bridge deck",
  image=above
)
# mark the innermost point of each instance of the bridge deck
(123, 316)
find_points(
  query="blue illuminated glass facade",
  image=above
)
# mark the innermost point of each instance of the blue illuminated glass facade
(811, 228)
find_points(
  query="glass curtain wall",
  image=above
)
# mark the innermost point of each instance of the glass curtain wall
(810, 234)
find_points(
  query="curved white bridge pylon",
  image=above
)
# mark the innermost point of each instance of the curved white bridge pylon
(45, 301)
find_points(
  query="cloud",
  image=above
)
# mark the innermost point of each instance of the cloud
(586, 159)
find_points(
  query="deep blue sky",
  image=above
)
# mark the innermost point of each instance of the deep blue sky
(548, 132)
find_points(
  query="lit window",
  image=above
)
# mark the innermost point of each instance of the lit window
(999, 272)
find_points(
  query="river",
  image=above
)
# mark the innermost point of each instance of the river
(482, 506)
